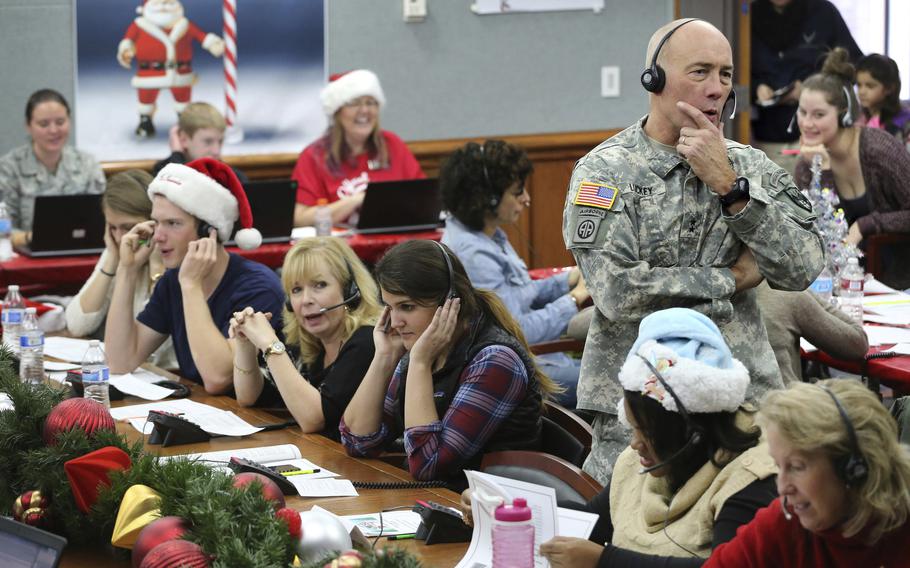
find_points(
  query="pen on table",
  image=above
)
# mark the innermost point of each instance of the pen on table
(790, 152)
(300, 472)
(402, 536)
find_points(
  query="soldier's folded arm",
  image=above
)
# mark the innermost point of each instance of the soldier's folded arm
(778, 226)
(625, 288)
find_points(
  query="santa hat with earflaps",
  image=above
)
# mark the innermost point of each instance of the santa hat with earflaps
(210, 191)
(345, 87)
(690, 353)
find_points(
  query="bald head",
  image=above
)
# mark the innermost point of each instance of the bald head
(692, 32)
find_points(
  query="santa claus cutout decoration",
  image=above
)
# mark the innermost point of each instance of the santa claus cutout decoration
(161, 41)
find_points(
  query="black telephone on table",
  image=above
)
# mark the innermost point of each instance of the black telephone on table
(441, 524)
(241, 465)
(172, 430)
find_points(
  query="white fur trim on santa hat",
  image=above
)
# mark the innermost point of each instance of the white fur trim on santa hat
(199, 195)
(248, 239)
(701, 388)
(359, 83)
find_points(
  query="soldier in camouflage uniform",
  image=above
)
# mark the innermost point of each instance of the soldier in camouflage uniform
(644, 219)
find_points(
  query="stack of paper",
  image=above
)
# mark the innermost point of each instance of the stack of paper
(209, 418)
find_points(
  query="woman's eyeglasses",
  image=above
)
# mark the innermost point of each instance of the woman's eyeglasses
(368, 102)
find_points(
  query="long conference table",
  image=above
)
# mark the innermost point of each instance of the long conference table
(66, 274)
(319, 450)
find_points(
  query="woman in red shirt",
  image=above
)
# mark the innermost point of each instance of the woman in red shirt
(844, 483)
(353, 152)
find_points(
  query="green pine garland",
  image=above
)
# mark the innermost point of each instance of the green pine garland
(237, 526)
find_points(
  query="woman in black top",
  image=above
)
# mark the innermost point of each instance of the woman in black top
(328, 322)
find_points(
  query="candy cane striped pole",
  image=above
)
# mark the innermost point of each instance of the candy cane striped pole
(234, 132)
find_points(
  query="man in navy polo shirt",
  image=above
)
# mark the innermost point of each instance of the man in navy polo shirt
(194, 208)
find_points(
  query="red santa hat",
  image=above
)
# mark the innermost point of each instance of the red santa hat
(210, 191)
(345, 87)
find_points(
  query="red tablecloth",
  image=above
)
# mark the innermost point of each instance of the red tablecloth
(38, 275)
(892, 371)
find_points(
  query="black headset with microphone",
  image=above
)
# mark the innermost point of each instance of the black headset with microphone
(844, 119)
(654, 78)
(450, 295)
(350, 294)
(694, 432)
(495, 197)
(852, 468)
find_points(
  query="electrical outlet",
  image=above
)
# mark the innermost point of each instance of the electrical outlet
(609, 81)
(414, 10)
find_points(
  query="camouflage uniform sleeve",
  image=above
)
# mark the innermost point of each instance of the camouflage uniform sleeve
(604, 242)
(97, 181)
(778, 226)
(9, 187)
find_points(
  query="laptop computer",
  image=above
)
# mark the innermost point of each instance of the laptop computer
(272, 204)
(400, 206)
(66, 225)
(25, 546)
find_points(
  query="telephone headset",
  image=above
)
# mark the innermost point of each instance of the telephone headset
(350, 294)
(450, 295)
(852, 468)
(845, 119)
(203, 230)
(654, 78)
(495, 198)
(694, 433)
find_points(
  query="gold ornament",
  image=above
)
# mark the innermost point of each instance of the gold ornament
(140, 506)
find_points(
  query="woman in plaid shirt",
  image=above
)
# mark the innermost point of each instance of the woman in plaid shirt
(451, 371)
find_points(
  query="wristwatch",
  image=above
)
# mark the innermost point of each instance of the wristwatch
(276, 348)
(740, 190)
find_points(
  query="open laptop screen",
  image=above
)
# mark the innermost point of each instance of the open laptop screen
(24, 546)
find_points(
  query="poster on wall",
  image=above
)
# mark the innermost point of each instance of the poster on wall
(261, 63)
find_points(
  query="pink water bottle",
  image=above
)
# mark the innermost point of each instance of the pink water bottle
(513, 536)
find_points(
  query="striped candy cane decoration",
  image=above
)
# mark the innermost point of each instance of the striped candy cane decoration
(229, 11)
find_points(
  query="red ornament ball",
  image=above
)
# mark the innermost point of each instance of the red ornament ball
(85, 414)
(30, 506)
(181, 553)
(158, 531)
(292, 518)
(270, 489)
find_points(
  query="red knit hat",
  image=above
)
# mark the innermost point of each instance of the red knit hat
(209, 190)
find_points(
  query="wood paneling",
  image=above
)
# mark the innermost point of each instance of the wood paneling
(538, 235)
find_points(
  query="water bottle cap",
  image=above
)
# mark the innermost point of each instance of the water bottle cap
(13, 287)
(516, 512)
(31, 310)
(322, 201)
(94, 343)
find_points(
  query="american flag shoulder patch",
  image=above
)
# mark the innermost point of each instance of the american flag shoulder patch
(594, 194)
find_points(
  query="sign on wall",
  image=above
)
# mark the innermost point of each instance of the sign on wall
(260, 62)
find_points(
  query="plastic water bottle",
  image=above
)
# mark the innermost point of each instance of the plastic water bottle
(323, 219)
(96, 375)
(31, 349)
(513, 536)
(852, 280)
(13, 311)
(823, 287)
(6, 234)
